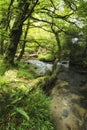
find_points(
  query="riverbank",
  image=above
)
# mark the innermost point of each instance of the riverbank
(69, 101)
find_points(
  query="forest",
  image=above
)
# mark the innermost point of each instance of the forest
(43, 64)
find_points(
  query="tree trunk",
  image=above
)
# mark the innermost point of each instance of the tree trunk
(59, 45)
(25, 9)
(24, 42)
(56, 34)
(8, 19)
(14, 40)
(85, 51)
(2, 46)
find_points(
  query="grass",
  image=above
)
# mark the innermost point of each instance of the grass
(26, 71)
(3, 68)
(20, 111)
(23, 108)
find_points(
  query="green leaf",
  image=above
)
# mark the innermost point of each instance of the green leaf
(22, 112)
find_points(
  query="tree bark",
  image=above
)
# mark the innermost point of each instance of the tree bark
(56, 34)
(14, 40)
(2, 46)
(85, 51)
(26, 8)
(8, 15)
(58, 44)
(24, 42)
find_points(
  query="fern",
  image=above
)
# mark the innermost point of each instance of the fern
(22, 112)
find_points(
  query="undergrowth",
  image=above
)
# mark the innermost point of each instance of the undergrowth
(24, 111)
(21, 109)
(26, 71)
(3, 68)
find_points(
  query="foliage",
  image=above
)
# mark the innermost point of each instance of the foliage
(3, 80)
(46, 57)
(30, 50)
(20, 110)
(3, 68)
(53, 24)
(66, 18)
(26, 71)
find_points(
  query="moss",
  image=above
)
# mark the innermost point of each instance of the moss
(3, 80)
(46, 57)
(30, 50)
(26, 71)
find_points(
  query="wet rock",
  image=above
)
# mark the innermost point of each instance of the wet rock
(85, 124)
(44, 66)
(71, 101)
(65, 113)
(63, 63)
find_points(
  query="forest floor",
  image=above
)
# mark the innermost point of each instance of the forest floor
(69, 101)
(14, 81)
(69, 98)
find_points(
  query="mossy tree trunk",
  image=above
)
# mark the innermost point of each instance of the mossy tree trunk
(24, 42)
(58, 44)
(8, 19)
(14, 40)
(25, 10)
(56, 34)
(5, 25)
(49, 80)
(2, 46)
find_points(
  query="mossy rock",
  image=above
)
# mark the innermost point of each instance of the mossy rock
(29, 50)
(46, 57)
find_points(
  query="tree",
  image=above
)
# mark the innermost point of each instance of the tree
(25, 10)
(54, 16)
(24, 41)
(56, 19)
(3, 24)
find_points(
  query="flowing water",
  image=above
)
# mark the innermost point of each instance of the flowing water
(69, 97)
(69, 101)
(44, 66)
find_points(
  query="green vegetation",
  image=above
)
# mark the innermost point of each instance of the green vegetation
(26, 71)
(52, 31)
(2, 68)
(46, 57)
(49, 31)
(23, 105)
(20, 110)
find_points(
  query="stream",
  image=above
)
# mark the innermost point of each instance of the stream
(69, 101)
(44, 66)
(69, 97)
(41, 66)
